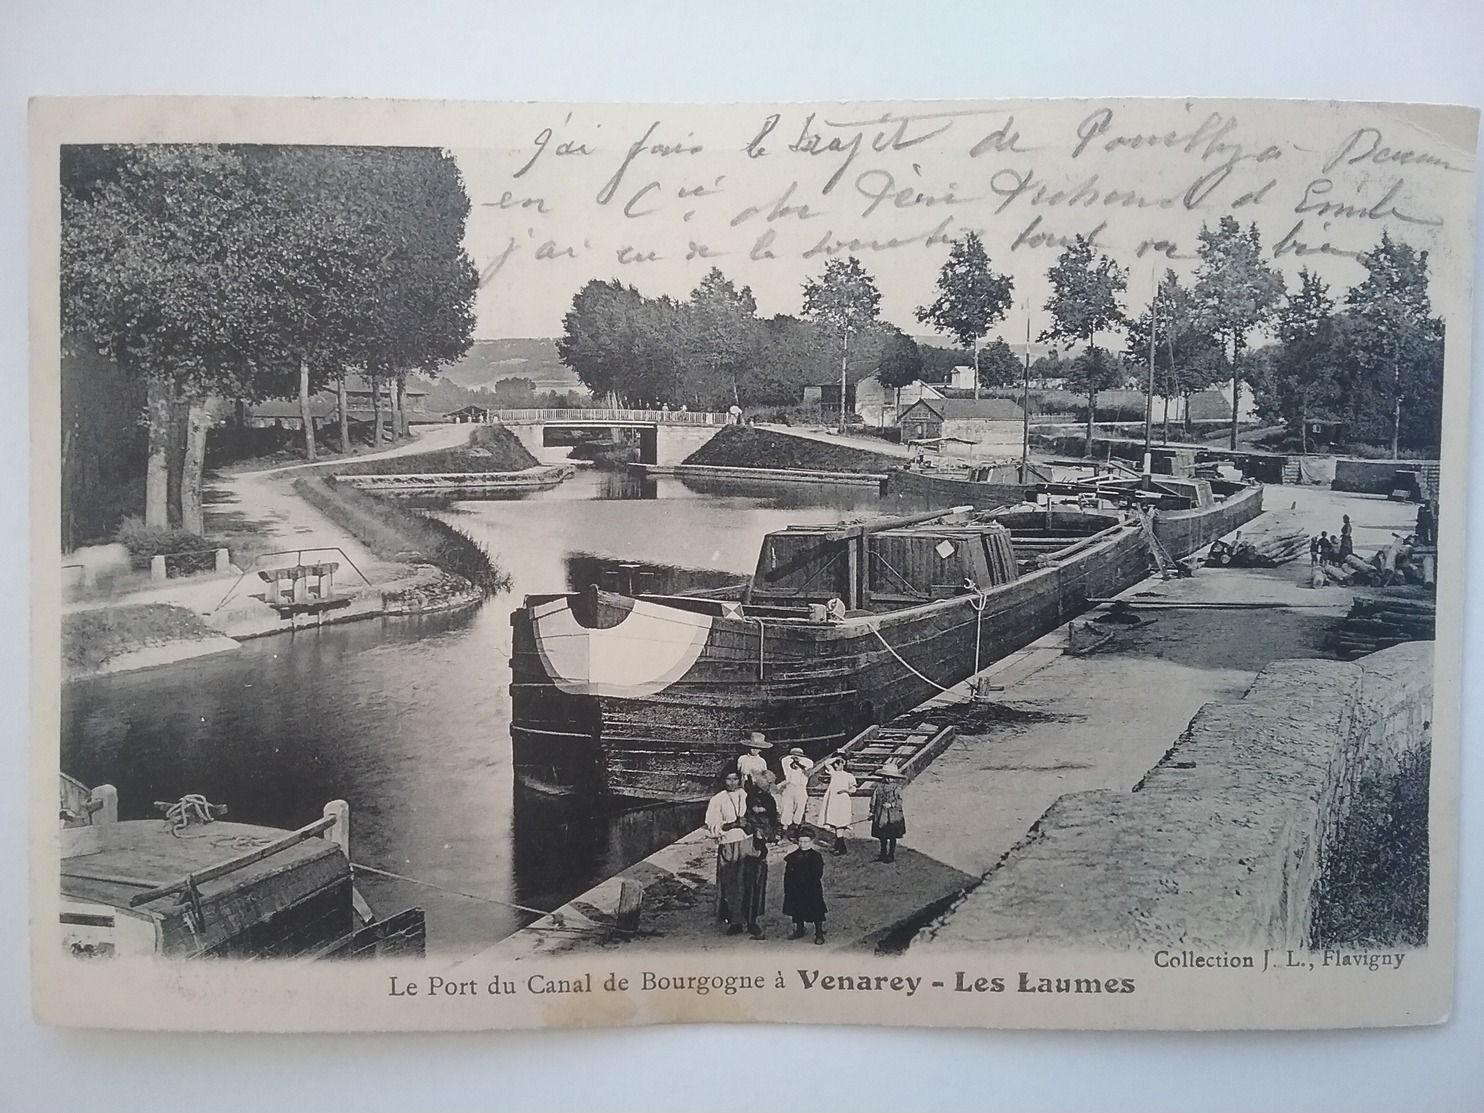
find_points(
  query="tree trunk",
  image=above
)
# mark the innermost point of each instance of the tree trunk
(344, 417)
(375, 408)
(394, 416)
(1092, 401)
(1304, 424)
(304, 414)
(1236, 389)
(404, 427)
(157, 472)
(192, 515)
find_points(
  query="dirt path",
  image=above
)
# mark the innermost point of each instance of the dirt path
(263, 504)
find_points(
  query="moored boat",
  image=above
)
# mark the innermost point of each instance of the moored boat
(192, 885)
(840, 627)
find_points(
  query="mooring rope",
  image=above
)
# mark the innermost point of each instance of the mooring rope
(980, 603)
(558, 920)
(190, 808)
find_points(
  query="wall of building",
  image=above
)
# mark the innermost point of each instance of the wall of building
(1227, 841)
(983, 437)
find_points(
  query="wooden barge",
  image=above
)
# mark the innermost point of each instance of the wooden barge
(839, 628)
(194, 886)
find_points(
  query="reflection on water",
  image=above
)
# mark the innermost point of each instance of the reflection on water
(408, 719)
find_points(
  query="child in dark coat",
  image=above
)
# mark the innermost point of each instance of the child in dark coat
(803, 889)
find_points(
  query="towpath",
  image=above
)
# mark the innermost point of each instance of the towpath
(1057, 724)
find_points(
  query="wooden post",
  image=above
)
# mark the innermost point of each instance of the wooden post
(157, 567)
(630, 904)
(223, 560)
(107, 798)
(339, 833)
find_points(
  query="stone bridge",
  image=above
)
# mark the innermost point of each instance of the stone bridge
(666, 437)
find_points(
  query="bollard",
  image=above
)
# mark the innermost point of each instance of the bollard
(339, 834)
(223, 561)
(108, 800)
(157, 567)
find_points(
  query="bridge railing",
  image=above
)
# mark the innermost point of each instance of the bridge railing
(597, 416)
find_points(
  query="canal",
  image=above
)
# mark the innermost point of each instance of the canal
(408, 719)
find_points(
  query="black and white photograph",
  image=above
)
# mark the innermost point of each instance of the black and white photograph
(973, 563)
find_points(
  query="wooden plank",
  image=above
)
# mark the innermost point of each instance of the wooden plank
(211, 873)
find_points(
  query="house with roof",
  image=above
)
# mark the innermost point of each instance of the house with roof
(965, 426)
(879, 405)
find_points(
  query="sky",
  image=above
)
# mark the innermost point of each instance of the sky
(654, 195)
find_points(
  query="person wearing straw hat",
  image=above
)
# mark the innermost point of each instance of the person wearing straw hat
(794, 796)
(752, 765)
(837, 803)
(888, 821)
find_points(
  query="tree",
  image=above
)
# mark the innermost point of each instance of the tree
(971, 297)
(844, 299)
(1093, 371)
(998, 364)
(1395, 341)
(1236, 292)
(1305, 367)
(900, 364)
(1084, 302)
(1186, 358)
(723, 323)
(153, 239)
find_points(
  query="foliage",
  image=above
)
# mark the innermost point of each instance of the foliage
(938, 363)
(146, 542)
(1084, 295)
(1235, 292)
(844, 298)
(971, 296)
(394, 533)
(93, 637)
(998, 364)
(901, 362)
(1395, 347)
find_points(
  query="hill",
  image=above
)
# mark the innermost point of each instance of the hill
(534, 358)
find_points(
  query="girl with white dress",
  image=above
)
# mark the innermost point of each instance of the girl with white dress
(837, 802)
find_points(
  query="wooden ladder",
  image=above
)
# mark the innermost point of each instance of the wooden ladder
(1162, 559)
(910, 748)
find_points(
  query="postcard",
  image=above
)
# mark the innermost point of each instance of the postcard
(968, 563)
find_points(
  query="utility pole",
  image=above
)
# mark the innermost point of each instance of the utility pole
(844, 360)
(1025, 405)
(1149, 393)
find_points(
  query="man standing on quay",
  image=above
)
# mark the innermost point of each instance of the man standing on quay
(795, 794)
(725, 816)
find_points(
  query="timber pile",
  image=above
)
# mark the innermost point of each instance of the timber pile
(1397, 564)
(1382, 620)
(1267, 550)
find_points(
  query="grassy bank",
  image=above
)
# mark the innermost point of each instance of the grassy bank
(393, 532)
(491, 448)
(92, 638)
(738, 446)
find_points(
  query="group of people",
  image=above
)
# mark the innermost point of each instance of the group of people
(757, 808)
(1325, 549)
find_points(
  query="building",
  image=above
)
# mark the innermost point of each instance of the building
(825, 400)
(965, 426)
(324, 406)
(471, 415)
(879, 405)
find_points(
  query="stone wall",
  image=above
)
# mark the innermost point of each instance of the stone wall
(1378, 477)
(1224, 843)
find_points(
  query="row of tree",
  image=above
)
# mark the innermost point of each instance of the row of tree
(1377, 357)
(256, 272)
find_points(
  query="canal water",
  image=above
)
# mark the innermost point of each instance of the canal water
(408, 719)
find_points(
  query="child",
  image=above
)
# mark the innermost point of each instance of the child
(803, 889)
